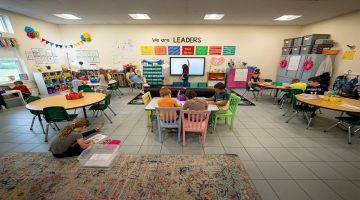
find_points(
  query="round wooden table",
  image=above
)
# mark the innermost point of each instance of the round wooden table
(276, 88)
(331, 105)
(89, 98)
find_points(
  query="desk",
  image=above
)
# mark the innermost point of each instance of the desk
(111, 82)
(8, 92)
(275, 87)
(331, 105)
(153, 104)
(89, 98)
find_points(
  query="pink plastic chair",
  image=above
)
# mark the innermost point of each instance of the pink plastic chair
(195, 121)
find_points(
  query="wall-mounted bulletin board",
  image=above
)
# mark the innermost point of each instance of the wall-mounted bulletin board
(45, 56)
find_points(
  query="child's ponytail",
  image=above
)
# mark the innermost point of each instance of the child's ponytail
(69, 128)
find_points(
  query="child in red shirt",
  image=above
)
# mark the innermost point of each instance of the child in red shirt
(19, 85)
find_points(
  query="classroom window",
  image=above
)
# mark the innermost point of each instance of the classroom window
(5, 25)
(10, 64)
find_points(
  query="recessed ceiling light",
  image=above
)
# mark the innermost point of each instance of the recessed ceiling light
(213, 16)
(139, 16)
(287, 17)
(67, 16)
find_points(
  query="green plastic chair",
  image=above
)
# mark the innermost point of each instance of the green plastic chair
(254, 92)
(55, 114)
(83, 87)
(230, 113)
(115, 88)
(295, 106)
(350, 122)
(35, 113)
(87, 90)
(102, 107)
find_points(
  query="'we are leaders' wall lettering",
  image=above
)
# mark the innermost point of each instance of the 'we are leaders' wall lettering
(179, 40)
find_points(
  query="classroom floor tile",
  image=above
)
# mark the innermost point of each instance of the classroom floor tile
(285, 161)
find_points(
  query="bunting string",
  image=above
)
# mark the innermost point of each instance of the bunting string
(32, 34)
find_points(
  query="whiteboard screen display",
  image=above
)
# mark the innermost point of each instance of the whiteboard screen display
(196, 65)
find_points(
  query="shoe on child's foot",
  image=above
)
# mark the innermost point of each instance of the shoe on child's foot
(251, 89)
(142, 92)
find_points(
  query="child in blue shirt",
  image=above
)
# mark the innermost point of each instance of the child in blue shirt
(314, 86)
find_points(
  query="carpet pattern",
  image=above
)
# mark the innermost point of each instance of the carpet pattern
(40, 176)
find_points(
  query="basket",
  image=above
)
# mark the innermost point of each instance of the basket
(330, 52)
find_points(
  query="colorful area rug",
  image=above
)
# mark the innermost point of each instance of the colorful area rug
(137, 100)
(40, 176)
(243, 101)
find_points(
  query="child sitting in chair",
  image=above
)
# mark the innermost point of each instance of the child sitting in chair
(167, 101)
(254, 81)
(220, 98)
(70, 140)
(135, 79)
(19, 85)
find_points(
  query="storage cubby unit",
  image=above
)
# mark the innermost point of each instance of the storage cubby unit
(53, 82)
(216, 77)
(153, 72)
(89, 73)
(119, 76)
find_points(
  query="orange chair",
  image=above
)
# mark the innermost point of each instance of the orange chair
(195, 121)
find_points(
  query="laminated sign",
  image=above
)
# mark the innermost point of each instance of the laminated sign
(187, 50)
(146, 50)
(201, 50)
(160, 50)
(215, 50)
(174, 50)
(229, 50)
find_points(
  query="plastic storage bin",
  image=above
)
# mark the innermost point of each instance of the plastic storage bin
(99, 155)
(193, 84)
(202, 85)
(298, 41)
(310, 39)
(306, 49)
(286, 51)
(295, 50)
(289, 42)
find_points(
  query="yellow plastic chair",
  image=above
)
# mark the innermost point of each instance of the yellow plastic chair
(149, 114)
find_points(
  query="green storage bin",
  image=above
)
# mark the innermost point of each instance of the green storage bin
(201, 85)
(194, 85)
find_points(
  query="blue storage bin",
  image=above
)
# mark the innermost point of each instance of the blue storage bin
(177, 84)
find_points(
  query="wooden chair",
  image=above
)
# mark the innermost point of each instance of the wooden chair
(195, 121)
(149, 114)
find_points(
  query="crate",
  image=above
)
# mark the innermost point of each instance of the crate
(318, 48)
(324, 41)
(194, 85)
(99, 155)
(289, 42)
(306, 49)
(13, 102)
(177, 84)
(298, 41)
(286, 51)
(295, 50)
(310, 39)
(202, 85)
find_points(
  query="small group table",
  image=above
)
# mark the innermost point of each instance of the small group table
(89, 98)
(153, 104)
(319, 102)
(275, 87)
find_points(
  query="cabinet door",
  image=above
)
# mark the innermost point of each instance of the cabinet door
(282, 71)
(317, 59)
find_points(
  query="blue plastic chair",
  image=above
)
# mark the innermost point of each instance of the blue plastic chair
(170, 118)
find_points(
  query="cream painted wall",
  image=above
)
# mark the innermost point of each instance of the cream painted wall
(344, 30)
(257, 45)
(49, 30)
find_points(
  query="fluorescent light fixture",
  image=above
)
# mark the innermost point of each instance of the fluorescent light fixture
(67, 16)
(287, 17)
(213, 16)
(139, 16)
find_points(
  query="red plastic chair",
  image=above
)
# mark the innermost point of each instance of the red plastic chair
(195, 121)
